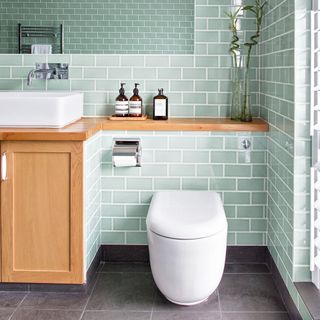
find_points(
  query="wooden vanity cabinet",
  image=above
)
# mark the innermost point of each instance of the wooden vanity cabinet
(42, 212)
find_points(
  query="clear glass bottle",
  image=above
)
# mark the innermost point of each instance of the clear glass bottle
(122, 103)
(135, 103)
(160, 106)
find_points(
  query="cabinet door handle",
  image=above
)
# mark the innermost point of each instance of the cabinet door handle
(4, 167)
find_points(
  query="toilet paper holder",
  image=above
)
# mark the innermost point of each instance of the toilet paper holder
(126, 148)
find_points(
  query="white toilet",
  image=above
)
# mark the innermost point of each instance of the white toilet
(187, 236)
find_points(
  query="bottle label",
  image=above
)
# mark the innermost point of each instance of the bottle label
(121, 107)
(135, 107)
(160, 107)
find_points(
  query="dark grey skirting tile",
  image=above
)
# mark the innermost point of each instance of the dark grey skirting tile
(123, 291)
(124, 267)
(5, 314)
(50, 300)
(246, 268)
(162, 304)
(30, 314)
(249, 292)
(254, 316)
(116, 315)
(125, 253)
(11, 299)
(185, 315)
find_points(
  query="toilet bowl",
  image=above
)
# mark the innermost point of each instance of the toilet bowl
(187, 238)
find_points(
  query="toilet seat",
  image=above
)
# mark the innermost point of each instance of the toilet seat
(186, 214)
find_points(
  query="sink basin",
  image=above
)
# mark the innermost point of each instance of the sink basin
(39, 109)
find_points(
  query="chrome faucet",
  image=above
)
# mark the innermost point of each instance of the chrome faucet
(47, 71)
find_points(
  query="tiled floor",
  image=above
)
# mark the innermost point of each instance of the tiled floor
(127, 291)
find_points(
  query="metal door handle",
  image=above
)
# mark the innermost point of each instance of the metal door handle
(4, 167)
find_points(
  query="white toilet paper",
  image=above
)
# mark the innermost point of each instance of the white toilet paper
(124, 161)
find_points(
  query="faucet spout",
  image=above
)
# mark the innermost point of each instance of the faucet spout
(30, 77)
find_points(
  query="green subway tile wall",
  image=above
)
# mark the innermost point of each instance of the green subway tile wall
(168, 164)
(284, 90)
(92, 194)
(105, 26)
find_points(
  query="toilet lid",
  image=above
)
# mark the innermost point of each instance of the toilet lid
(186, 214)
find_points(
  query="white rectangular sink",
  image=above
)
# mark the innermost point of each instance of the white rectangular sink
(39, 109)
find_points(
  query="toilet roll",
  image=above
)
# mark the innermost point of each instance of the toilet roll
(124, 161)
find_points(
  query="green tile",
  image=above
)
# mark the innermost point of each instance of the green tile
(169, 73)
(112, 183)
(124, 224)
(210, 143)
(238, 170)
(4, 72)
(222, 184)
(132, 60)
(195, 184)
(259, 225)
(157, 61)
(195, 157)
(119, 73)
(10, 60)
(112, 237)
(236, 225)
(181, 85)
(237, 197)
(194, 73)
(210, 170)
(251, 184)
(182, 143)
(112, 210)
(250, 239)
(83, 60)
(125, 197)
(84, 85)
(167, 184)
(223, 157)
(167, 156)
(139, 183)
(182, 170)
(144, 73)
(9, 84)
(182, 61)
(154, 170)
(137, 210)
(95, 73)
(137, 237)
(250, 211)
(108, 60)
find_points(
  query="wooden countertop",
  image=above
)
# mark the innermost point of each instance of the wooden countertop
(87, 127)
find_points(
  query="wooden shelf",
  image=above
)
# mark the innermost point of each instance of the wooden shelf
(87, 127)
(188, 124)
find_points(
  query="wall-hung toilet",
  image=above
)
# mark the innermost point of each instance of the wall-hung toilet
(187, 237)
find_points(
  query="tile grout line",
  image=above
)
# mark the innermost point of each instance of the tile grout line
(90, 295)
(18, 306)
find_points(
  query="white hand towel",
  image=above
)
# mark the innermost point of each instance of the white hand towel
(41, 48)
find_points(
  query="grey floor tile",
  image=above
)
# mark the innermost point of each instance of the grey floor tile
(162, 304)
(11, 299)
(50, 300)
(30, 314)
(246, 268)
(254, 316)
(116, 315)
(249, 292)
(125, 267)
(185, 315)
(124, 291)
(5, 314)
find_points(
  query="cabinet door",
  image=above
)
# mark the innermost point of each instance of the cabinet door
(42, 212)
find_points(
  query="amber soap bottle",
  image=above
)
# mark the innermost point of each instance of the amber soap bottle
(160, 106)
(122, 103)
(135, 103)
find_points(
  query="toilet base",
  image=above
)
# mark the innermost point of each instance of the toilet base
(188, 304)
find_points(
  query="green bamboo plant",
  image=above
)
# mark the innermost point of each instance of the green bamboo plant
(258, 12)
